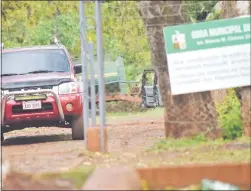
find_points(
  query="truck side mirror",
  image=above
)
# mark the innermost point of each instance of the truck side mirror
(78, 68)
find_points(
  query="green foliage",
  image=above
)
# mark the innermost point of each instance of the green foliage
(230, 116)
(198, 10)
(216, 12)
(35, 23)
(42, 34)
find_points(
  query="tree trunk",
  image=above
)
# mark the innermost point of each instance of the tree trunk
(243, 8)
(185, 115)
(235, 9)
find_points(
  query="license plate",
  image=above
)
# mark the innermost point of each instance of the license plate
(32, 105)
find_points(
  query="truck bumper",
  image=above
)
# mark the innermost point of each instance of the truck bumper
(54, 108)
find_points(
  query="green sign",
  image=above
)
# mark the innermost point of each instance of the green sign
(205, 35)
(208, 55)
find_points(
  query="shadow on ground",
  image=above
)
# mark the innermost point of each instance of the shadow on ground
(23, 140)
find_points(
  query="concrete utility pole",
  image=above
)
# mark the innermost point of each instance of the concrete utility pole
(84, 63)
(101, 85)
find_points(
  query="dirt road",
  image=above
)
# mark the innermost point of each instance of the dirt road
(51, 149)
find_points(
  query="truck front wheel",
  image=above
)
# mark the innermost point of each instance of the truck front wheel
(77, 128)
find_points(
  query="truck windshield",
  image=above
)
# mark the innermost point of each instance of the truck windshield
(34, 61)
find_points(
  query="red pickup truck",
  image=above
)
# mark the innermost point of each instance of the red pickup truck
(40, 88)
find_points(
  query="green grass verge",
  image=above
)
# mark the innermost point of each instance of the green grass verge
(194, 142)
(77, 176)
(199, 150)
(183, 151)
(157, 112)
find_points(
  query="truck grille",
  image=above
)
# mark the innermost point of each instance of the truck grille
(18, 109)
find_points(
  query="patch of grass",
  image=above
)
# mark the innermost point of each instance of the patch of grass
(203, 155)
(172, 144)
(243, 139)
(215, 156)
(194, 142)
(77, 175)
(198, 150)
(157, 112)
(150, 112)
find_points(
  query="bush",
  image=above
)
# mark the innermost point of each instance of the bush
(230, 116)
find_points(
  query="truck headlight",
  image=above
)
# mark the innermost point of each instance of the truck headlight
(69, 88)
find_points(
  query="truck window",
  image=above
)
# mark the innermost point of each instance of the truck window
(23, 62)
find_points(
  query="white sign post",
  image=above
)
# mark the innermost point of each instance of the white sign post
(208, 55)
